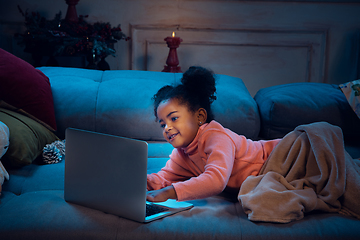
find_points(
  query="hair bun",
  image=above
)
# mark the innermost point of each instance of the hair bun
(200, 81)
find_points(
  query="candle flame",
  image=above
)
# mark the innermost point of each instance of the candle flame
(173, 34)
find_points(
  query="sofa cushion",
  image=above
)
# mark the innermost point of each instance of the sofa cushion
(284, 107)
(32, 206)
(27, 138)
(119, 102)
(46, 215)
(26, 88)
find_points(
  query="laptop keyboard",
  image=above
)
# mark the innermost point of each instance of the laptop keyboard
(152, 209)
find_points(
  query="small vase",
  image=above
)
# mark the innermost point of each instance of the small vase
(103, 65)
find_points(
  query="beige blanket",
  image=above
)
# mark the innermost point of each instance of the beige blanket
(308, 170)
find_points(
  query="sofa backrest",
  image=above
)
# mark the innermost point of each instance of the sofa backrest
(119, 102)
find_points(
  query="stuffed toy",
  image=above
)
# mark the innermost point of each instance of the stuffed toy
(4, 145)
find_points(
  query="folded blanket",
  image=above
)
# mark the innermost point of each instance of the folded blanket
(308, 170)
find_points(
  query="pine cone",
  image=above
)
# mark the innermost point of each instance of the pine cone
(61, 146)
(51, 154)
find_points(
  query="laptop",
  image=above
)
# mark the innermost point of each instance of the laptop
(108, 173)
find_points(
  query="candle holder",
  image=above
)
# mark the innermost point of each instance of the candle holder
(71, 14)
(172, 59)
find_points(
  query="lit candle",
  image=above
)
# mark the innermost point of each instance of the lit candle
(172, 59)
(173, 42)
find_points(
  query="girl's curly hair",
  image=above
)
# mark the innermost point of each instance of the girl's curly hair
(197, 90)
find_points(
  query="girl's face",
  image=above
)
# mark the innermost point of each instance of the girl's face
(179, 124)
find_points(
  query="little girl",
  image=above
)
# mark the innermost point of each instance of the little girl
(207, 158)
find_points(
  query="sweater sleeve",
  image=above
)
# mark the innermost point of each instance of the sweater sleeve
(218, 151)
(175, 170)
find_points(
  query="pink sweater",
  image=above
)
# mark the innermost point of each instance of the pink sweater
(216, 159)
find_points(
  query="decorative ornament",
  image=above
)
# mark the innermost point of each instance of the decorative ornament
(54, 152)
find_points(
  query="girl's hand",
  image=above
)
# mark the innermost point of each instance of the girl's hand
(161, 195)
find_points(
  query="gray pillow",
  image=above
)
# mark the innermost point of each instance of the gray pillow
(284, 107)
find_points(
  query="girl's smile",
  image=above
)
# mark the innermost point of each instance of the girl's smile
(171, 138)
(179, 124)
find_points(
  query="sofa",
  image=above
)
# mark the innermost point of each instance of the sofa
(118, 102)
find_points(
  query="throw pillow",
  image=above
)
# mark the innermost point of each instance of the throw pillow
(27, 138)
(284, 107)
(26, 88)
(351, 91)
